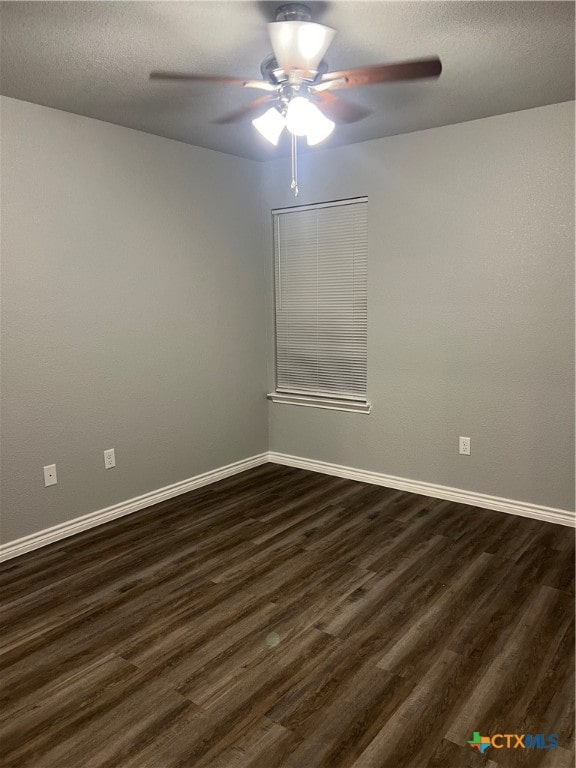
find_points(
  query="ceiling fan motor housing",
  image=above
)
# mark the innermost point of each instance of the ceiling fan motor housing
(293, 12)
(275, 74)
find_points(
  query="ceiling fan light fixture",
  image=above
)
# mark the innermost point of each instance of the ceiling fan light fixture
(299, 44)
(270, 125)
(305, 119)
(298, 115)
(320, 130)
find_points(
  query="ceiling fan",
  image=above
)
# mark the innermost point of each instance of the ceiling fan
(298, 89)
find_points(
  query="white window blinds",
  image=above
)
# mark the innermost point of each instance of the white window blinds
(321, 302)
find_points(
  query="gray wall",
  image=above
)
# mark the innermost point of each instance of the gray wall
(471, 306)
(133, 313)
(133, 286)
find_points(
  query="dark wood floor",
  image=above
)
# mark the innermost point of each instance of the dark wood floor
(285, 618)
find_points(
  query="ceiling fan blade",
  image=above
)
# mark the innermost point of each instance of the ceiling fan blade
(249, 109)
(339, 110)
(385, 73)
(329, 85)
(261, 85)
(183, 76)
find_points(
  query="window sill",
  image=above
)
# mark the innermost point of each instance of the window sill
(311, 401)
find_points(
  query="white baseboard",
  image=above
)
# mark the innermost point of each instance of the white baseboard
(63, 530)
(522, 508)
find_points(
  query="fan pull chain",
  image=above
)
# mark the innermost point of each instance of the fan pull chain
(294, 184)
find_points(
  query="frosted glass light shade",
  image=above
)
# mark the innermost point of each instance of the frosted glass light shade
(270, 125)
(299, 116)
(319, 130)
(305, 119)
(299, 44)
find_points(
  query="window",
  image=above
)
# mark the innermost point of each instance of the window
(320, 261)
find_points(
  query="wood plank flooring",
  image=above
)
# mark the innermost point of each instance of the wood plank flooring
(282, 618)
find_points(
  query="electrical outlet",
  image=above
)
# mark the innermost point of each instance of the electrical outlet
(109, 459)
(464, 446)
(50, 475)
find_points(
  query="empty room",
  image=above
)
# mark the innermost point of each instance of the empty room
(287, 384)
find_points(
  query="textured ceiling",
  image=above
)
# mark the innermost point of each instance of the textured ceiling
(93, 58)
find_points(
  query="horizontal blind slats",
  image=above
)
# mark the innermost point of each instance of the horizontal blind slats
(321, 300)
